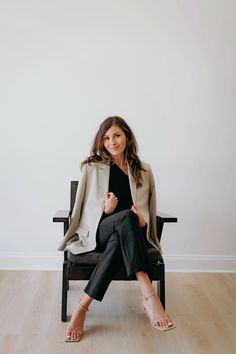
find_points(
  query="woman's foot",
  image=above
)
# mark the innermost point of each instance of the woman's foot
(156, 313)
(76, 327)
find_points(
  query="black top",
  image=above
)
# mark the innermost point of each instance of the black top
(119, 185)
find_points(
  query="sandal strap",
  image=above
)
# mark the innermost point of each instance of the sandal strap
(148, 297)
(83, 308)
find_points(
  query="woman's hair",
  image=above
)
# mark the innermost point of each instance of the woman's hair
(99, 153)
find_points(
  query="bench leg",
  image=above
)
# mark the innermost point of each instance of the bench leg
(64, 292)
(161, 286)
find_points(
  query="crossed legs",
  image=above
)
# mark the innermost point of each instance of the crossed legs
(120, 238)
(151, 302)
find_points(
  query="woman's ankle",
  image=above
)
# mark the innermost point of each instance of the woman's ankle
(85, 303)
(148, 291)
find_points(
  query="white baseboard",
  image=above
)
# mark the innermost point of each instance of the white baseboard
(31, 261)
(174, 263)
(200, 263)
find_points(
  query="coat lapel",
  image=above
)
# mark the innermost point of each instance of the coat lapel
(103, 177)
(133, 187)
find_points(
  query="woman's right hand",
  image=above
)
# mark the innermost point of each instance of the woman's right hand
(111, 202)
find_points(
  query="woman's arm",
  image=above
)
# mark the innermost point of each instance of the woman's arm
(75, 217)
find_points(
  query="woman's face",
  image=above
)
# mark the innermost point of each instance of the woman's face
(115, 141)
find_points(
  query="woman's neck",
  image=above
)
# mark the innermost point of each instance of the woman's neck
(121, 163)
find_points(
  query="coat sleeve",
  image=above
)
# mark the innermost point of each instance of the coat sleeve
(153, 210)
(75, 217)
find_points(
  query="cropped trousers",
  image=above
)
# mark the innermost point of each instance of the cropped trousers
(122, 242)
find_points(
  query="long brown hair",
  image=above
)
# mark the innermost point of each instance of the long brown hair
(98, 152)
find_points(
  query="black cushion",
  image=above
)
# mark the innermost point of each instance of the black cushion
(88, 258)
(91, 258)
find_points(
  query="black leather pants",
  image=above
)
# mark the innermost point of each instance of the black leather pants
(121, 241)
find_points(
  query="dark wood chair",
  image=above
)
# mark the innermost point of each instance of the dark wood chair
(80, 267)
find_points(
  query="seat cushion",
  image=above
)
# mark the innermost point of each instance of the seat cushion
(91, 258)
(88, 258)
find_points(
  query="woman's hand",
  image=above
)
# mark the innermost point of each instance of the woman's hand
(136, 209)
(110, 202)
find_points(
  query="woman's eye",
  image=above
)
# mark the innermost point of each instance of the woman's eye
(117, 135)
(106, 138)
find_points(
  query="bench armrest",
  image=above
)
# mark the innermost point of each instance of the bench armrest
(62, 216)
(162, 218)
(166, 217)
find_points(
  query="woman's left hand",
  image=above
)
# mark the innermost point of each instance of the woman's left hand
(136, 209)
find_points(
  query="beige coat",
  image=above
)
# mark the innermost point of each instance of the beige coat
(89, 205)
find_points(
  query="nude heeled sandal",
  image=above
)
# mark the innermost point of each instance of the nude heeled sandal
(157, 322)
(79, 330)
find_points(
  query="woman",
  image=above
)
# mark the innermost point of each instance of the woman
(115, 212)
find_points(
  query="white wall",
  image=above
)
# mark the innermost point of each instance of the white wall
(167, 67)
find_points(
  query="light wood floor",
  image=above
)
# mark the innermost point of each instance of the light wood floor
(202, 305)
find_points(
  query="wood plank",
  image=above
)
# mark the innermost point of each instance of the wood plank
(202, 306)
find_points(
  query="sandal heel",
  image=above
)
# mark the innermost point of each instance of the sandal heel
(156, 323)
